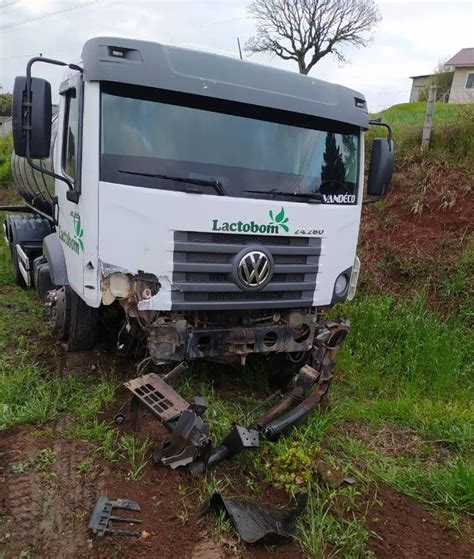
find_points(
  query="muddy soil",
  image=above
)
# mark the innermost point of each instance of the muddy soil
(46, 512)
(417, 231)
(405, 530)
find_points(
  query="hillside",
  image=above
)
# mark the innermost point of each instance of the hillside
(453, 127)
(420, 238)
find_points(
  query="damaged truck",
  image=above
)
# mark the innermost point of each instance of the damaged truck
(215, 202)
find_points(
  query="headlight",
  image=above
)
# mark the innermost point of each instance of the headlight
(341, 284)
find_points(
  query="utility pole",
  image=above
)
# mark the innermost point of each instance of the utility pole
(240, 50)
(428, 124)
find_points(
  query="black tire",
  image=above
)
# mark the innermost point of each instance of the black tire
(82, 323)
(17, 277)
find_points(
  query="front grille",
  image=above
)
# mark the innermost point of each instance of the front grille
(203, 279)
(244, 296)
(231, 239)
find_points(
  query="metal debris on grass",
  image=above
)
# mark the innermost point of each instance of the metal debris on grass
(102, 519)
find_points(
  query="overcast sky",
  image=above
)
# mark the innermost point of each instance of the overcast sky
(411, 39)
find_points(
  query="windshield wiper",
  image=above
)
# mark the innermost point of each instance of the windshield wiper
(199, 182)
(313, 197)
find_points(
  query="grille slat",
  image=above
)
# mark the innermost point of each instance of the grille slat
(203, 264)
(189, 247)
(205, 287)
(231, 238)
(227, 268)
(204, 277)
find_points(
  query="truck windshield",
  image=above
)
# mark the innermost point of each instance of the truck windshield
(252, 152)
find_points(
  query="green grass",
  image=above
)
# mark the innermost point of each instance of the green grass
(29, 393)
(453, 129)
(40, 463)
(400, 348)
(6, 147)
(137, 453)
(325, 533)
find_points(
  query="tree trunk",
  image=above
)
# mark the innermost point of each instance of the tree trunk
(302, 66)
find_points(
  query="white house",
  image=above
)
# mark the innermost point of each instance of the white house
(459, 68)
(462, 88)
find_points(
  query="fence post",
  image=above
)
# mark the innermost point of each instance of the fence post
(428, 124)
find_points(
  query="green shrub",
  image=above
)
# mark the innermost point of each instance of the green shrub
(6, 148)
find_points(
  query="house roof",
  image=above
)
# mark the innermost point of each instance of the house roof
(465, 57)
(430, 75)
(420, 76)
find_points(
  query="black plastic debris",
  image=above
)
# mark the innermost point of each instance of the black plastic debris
(257, 523)
(102, 519)
(188, 440)
(238, 439)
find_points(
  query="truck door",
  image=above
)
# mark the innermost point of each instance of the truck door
(68, 163)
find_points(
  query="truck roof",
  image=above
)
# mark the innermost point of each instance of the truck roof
(172, 68)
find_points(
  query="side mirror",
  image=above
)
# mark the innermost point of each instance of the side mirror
(381, 167)
(37, 113)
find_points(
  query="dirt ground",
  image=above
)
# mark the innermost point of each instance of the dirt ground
(417, 230)
(405, 530)
(47, 513)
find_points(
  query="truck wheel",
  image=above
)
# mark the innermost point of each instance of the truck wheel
(56, 308)
(83, 323)
(71, 319)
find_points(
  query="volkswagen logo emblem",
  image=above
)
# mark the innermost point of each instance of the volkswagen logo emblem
(254, 269)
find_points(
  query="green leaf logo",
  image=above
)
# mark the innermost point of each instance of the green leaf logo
(79, 231)
(280, 219)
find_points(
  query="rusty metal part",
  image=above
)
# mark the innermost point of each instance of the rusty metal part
(304, 380)
(176, 371)
(174, 337)
(162, 401)
(199, 405)
(56, 308)
(102, 516)
(297, 404)
(298, 413)
(323, 360)
(290, 399)
(188, 440)
(166, 340)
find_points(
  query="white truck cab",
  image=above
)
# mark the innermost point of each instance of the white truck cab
(217, 201)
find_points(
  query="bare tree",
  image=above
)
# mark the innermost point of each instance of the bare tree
(308, 30)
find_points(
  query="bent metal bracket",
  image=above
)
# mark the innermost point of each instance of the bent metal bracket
(189, 444)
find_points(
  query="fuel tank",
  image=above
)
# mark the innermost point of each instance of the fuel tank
(35, 187)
